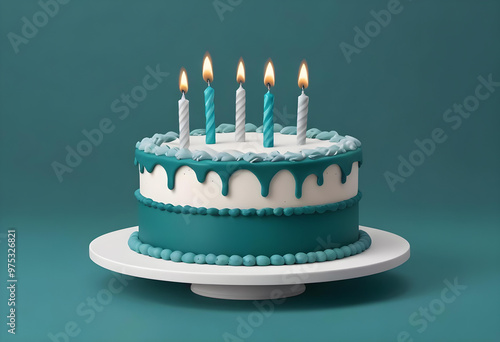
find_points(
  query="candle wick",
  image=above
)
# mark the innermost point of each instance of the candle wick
(302, 89)
(208, 82)
(269, 87)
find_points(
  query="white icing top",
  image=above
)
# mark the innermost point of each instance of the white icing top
(253, 143)
(251, 150)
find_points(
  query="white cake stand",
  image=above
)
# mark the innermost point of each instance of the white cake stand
(249, 283)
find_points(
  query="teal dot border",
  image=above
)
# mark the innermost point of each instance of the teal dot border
(363, 243)
(289, 211)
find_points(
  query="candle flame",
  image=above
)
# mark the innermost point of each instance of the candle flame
(269, 74)
(208, 73)
(183, 81)
(240, 74)
(303, 75)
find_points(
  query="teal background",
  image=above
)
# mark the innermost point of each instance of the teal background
(393, 92)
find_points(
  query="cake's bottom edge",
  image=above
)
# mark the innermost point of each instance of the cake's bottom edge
(363, 243)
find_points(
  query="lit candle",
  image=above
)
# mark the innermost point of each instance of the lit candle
(240, 103)
(183, 111)
(303, 104)
(208, 76)
(268, 131)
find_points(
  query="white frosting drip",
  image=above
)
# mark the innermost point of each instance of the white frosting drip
(244, 187)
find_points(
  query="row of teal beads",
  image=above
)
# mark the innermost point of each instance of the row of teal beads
(249, 212)
(249, 260)
(345, 251)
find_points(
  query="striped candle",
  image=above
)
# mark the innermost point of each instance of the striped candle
(268, 120)
(209, 116)
(208, 76)
(239, 129)
(240, 114)
(303, 104)
(183, 111)
(183, 122)
(302, 109)
(268, 130)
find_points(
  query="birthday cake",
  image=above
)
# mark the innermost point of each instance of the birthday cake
(241, 204)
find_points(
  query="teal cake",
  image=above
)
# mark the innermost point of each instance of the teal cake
(240, 204)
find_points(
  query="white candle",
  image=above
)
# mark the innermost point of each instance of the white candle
(302, 110)
(183, 122)
(183, 111)
(239, 130)
(240, 114)
(303, 104)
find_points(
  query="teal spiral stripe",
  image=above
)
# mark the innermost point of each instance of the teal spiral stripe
(209, 115)
(268, 120)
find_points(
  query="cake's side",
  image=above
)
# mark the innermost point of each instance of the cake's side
(234, 203)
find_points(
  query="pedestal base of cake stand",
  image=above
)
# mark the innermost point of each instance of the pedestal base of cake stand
(248, 292)
(111, 251)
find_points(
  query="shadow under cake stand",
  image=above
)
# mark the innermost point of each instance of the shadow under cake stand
(386, 252)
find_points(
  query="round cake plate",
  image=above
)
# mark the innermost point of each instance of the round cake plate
(386, 252)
